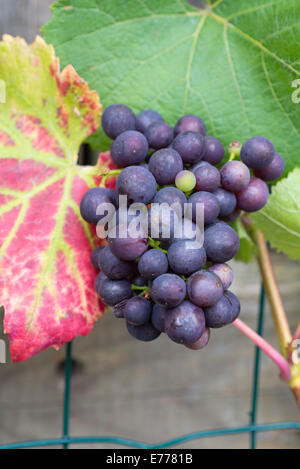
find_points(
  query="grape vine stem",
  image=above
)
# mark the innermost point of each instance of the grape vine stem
(278, 312)
(277, 358)
(264, 261)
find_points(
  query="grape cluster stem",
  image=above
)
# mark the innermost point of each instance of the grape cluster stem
(156, 245)
(277, 358)
(105, 175)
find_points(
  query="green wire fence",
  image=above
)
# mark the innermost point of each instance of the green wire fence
(252, 429)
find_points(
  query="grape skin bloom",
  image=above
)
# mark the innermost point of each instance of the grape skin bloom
(159, 135)
(152, 264)
(145, 332)
(190, 122)
(185, 324)
(204, 288)
(273, 171)
(202, 342)
(220, 314)
(235, 176)
(168, 290)
(137, 311)
(210, 203)
(185, 258)
(164, 165)
(214, 150)
(126, 247)
(93, 199)
(254, 197)
(190, 146)
(257, 152)
(145, 118)
(137, 183)
(224, 272)
(116, 119)
(130, 148)
(208, 177)
(221, 242)
(159, 314)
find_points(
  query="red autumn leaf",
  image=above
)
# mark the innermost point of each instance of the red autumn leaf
(46, 282)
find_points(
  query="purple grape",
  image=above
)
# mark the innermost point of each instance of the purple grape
(152, 264)
(184, 258)
(189, 231)
(159, 135)
(113, 292)
(116, 119)
(138, 184)
(235, 176)
(124, 245)
(98, 280)
(185, 324)
(164, 165)
(204, 288)
(137, 311)
(168, 290)
(220, 314)
(273, 171)
(139, 281)
(145, 332)
(254, 197)
(113, 267)
(162, 223)
(197, 165)
(257, 152)
(190, 122)
(95, 257)
(145, 118)
(129, 148)
(227, 201)
(210, 203)
(119, 309)
(221, 242)
(202, 342)
(125, 217)
(170, 196)
(93, 199)
(232, 216)
(190, 146)
(224, 272)
(159, 314)
(214, 150)
(207, 177)
(236, 306)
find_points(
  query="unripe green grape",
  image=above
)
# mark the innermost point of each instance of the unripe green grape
(185, 181)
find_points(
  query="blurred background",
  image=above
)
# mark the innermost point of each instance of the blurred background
(150, 391)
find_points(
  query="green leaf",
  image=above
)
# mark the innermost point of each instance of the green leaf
(280, 218)
(247, 247)
(232, 62)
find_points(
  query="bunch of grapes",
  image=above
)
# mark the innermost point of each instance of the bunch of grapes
(167, 283)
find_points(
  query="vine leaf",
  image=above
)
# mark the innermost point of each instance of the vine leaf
(46, 278)
(279, 220)
(232, 61)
